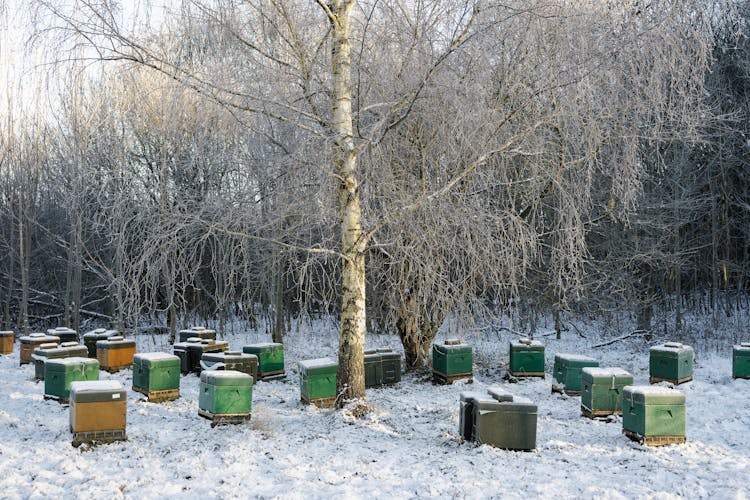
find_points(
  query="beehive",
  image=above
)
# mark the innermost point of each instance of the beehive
(671, 362)
(98, 411)
(499, 419)
(31, 342)
(66, 334)
(55, 351)
(7, 339)
(526, 358)
(653, 415)
(231, 360)
(197, 347)
(270, 359)
(226, 396)
(601, 391)
(741, 360)
(373, 369)
(115, 353)
(199, 332)
(91, 338)
(451, 361)
(391, 362)
(567, 372)
(317, 381)
(60, 373)
(157, 375)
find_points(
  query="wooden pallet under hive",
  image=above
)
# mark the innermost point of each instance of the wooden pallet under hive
(159, 396)
(655, 440)
(445, 379)
(656, 380)
(224, 418)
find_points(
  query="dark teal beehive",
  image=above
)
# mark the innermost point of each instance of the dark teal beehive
(317, 381)
(741, 360)
(451, 360)
(526, 358)
(567, 372)
(671, 362)
(60, 373)
(231, 360)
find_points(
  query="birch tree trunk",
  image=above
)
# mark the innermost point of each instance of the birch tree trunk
(351, 375)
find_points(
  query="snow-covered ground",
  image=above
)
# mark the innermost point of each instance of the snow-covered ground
(408, 446)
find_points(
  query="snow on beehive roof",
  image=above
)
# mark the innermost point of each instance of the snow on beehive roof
(609, 371)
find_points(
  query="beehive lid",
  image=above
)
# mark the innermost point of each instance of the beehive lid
(69, 344)
(452, 342)
(652, 394)
(60, 364)
(528, 343)
(265, 346)
(521, 403)
(320, 365)
(226, 377)
(453, 348)
(100, 333)
(94, 391)
(60, 329)
(500, 394)
(116, 342)
(605, 375)
(576, 359)
(375, 356)
(672, 347)
(6, 333)
(39, 338)
(47, 345)
(744, 346)
(155, 356)
(384, 350)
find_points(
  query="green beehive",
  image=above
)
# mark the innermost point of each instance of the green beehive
(91, 338)
(671, 362)
(653, 415)
(373, 369)
(200, 332)
(498, 419)
(451, 361)
(157, 375)
(741, 360)
(231, 360)
(60, 373)
(65, 334)
(54, 351)
(391, 362)
(226, 396)
(317, 381)
(270, 359)
(526, 358)
(567, 372)
(601, 391)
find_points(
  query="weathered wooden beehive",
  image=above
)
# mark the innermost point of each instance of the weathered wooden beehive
(7, 339)
(199, 332)
(55, 351)
(66, 334)
(231, 360)
(31, 342)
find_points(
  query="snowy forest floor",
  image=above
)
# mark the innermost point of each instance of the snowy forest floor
(408, 446)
